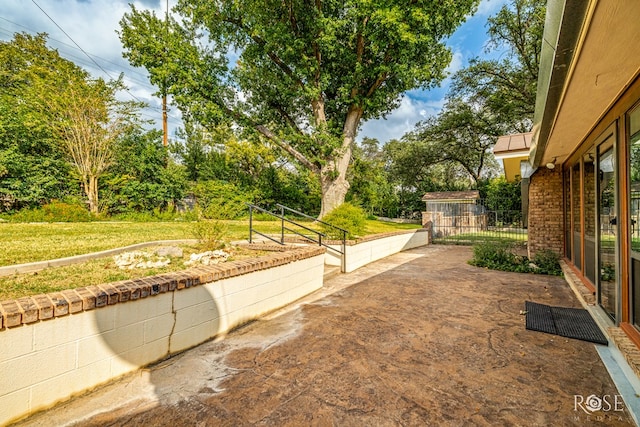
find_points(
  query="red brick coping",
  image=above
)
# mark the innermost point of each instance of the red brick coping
(14, 313)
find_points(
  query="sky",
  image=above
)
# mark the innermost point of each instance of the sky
(78, 26)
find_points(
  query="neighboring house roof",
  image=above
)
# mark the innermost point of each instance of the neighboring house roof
(513, 145)
(451, 196)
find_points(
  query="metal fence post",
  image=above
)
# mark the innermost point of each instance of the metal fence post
(250, 222)
(282, 224)
(343, 268)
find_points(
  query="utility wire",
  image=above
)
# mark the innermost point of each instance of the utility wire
(128, 68)
(82, 50)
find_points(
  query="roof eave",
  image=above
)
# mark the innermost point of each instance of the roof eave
(564, 22)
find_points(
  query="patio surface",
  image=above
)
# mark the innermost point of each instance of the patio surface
(419, 338)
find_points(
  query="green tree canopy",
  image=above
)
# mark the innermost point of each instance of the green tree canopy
(461, 134)
(302, 75)
(507, 85)
(488, 98)
(58, 125)
(142, 178)
(32, 165)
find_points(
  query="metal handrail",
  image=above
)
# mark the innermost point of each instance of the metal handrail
(284, 220)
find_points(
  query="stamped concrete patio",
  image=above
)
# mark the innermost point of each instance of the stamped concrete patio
(419, 338)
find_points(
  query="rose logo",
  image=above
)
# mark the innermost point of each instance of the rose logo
(593, 403)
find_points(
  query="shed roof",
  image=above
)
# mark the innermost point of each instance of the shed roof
(513, 143)
(449, 196)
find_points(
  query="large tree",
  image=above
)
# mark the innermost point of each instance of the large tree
(143, 178)
(370, 186)
(56, 121)
(507, 85)
(302, 74)
(463, 134)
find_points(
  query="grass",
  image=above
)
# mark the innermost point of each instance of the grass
(22, 243)
(32, 242)
(483, 236)
(95, 272)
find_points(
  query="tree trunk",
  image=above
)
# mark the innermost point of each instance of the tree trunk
(334, 189)
(333, 176)
(91, 188)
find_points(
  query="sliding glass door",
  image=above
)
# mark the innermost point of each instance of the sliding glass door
(608, 239)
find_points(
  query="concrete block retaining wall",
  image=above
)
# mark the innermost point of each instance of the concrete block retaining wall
(364, 251)
(57, 345)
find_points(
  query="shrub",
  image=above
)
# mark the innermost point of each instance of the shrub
(211, 234)
(348, 217)
(547, 262)
(53, 212)
(261, 216)
(221, 200)
(501, 256)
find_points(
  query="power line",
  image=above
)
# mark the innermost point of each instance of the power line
(92, 58)
(51, 39)
(67, 51)
(82, 50)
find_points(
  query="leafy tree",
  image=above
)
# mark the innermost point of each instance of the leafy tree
(32, 165)
(203, 152)
(488, 98)
(370, 186)
(142, 178)
(414, 163)
(88, 120)
(306, 74)
(58, 112)
(507, 86)
(221, 200)
(462, 134)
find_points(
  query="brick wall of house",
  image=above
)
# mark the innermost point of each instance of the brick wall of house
(545, 211)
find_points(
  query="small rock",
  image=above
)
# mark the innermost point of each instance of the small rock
(170, 251)
(208, 258)
(139, 259)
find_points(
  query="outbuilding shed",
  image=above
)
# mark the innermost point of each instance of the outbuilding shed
(453, 212)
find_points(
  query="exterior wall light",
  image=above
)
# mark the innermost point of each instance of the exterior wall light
(552, 164)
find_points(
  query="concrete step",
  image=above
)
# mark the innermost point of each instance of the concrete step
(330, 271)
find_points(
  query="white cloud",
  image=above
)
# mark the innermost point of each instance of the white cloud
(456, 64)
(401, 120)
(489, 7)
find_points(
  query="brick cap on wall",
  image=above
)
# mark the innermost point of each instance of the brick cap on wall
(25, 310)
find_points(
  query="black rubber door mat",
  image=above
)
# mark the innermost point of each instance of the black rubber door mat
(566, 322)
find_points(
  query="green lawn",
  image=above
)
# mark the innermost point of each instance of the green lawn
(23, 243)
(44, 241)
(483, 236)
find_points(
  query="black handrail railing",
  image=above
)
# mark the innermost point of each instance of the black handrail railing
(284, 220)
